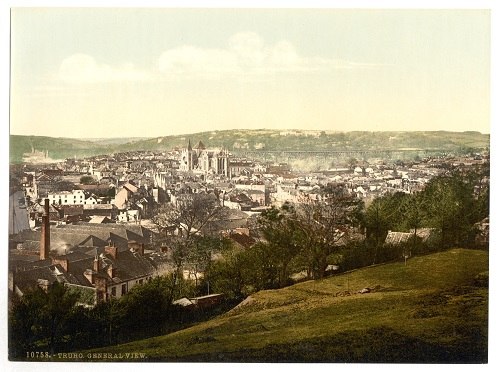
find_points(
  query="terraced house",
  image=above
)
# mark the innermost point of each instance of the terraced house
(98, 261)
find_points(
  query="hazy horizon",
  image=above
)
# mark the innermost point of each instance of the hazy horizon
(247, 129)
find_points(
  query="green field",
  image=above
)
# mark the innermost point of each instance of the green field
(434, 309)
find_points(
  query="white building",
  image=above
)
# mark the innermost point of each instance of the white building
(75, 197)
(67, 197)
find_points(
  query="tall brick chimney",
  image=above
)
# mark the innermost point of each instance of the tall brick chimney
(111, 250)
(136, 247)
(64, 262)
(45, 233)
(97, 263)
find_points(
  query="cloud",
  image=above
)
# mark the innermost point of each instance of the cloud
(193, 61)
(82, 68)
(245, 56)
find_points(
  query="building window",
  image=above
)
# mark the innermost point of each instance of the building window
(113, 291)
(124, 289)
(140, 281)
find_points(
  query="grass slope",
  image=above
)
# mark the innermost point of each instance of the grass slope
(431, 310)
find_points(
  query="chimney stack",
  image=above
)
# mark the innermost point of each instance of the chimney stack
(136, 247)
(45, 233)
(111, 250)
(97, 264)
(64, 262)
(111, 271)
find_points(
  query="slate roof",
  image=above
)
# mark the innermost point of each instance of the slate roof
(86, 235)
(396, 237)
(242, 239)
(127, 266)
(25, 280)
(99, 219)
(99, 206)
(133, 189)
(40, 208)
(92, 241)
(104, 231)
(71, 210)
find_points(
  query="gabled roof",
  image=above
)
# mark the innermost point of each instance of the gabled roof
(99, 219)
(184, 302)
(25, 280)
(200, 146)
(39, 208)
(129, 265)
(92, 241)
(396, 238)
(126, 266)
(43, 177)
(130, 187)
(99, 207)
(242, 239)
(71, 209)
(87, 235)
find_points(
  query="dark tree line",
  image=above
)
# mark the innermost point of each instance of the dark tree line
(450, 204)
(313, 234)
(53, 321)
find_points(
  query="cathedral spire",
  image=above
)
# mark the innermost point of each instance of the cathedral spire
(189, 145)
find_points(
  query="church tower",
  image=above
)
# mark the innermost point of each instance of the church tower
(186, 164)
(190, 156)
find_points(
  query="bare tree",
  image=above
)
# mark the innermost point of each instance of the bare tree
(186, 222)
(190, 214)
(323, 225)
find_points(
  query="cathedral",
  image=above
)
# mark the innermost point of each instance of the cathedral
(202, 160)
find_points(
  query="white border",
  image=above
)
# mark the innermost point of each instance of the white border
(389, 4)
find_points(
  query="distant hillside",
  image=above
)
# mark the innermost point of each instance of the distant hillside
(57, 148)
(264, 139)
(257, 140)
(433, 309)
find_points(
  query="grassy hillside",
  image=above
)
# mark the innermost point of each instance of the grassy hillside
(265, 139)
(431, 310)
(58, 148)
(235, 140)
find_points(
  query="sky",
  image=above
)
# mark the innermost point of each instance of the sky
(143, 72)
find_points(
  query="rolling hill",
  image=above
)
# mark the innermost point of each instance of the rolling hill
(434, 309)
(255, 140)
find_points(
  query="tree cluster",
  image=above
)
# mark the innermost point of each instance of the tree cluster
(188, 228)
(451, 204)
(294, 238)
